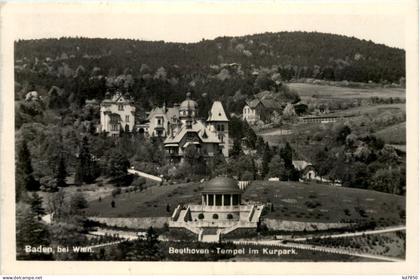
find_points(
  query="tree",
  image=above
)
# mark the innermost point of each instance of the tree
(289, 112)
(237, 148)
(386, 180)
(61, 173)
(286, 154)
(146, 250)
(267, 155)
(276, 168)
(87, 170)
(78, 202)
(24, 171)
(118, 165)
(36, 205)
(29, 231)
(342, 134)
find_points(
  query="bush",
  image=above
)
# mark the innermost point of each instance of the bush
(215, 216)
(116, 192)
(229, 216)
(247, 176)
(78, 202)
(139, 182)
(201, 216)
(48, 184)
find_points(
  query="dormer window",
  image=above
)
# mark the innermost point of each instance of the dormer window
(120, 107)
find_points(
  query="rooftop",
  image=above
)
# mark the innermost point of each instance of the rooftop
(222, 185)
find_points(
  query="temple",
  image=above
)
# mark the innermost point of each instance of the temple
(220, 213)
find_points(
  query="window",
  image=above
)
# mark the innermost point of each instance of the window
(114, 127)
(120, 107)
(127, 118)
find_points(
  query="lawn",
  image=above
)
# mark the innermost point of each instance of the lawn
(151, 202)
(321, 203)
(292, 201)
(326, 92)
(394, 134)
(391, 244)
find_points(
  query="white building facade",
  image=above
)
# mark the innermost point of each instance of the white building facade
(117, 113)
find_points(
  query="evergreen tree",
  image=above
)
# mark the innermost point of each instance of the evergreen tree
(286, 154)
(87, 169)
(118, 165)
(61, 173)
(237, 148)
(36, 205)
(25, 171)
(267, 155)
(276, 168)
(29, 231)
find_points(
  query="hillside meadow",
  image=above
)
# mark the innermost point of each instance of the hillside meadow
(294, 201)
(328, 92)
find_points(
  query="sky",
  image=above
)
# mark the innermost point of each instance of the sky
(187, 22)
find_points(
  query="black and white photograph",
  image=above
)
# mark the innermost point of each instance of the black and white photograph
(206, 137)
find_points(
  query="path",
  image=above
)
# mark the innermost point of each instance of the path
(317, 248)
(271, 132)
(351, 234)
(144, 175)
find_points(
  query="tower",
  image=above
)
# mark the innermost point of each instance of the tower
(188, 111)
(219, 123)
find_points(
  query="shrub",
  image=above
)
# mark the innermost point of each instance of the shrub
(78, 201)
(116, 192)
(247, 176)
(138, 181)
(215, 216)
(201, 216)
(229, 216)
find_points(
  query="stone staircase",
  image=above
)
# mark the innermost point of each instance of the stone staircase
(210, 235)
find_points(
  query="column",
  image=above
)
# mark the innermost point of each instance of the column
(223, 200)
(231, 200)
(202, 200)
(207, 199)
(214, 199)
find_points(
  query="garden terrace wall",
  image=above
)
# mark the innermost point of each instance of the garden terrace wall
(274, 224)
(240, 233)
(133, 223)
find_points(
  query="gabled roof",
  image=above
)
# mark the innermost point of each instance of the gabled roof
(270, 103)
(301, 164)
(201, 130)
(217, 113)
(253, 103)
(172, 113)
(118, 97)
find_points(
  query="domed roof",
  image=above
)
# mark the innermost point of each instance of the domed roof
(188, 104)
(222, 185)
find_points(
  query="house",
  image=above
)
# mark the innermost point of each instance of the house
(261, 108)
(219, 123)
(208, 138)
(306, 169)
(116, 114)
(162, 120)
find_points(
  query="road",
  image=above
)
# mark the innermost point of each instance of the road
(144, 175)
(317, 248)
(351, 234)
